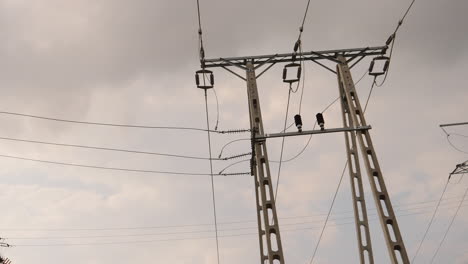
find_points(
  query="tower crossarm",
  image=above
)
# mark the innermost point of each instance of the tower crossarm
(315, 56)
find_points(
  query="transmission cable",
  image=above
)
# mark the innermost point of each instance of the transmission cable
(392, 39)
(400, 22)
(211, 174)
(451, 143)
(86, 236)
(430, 223)
(329, 212)
(120, 125)
(119, 169)
(192, 238)
(200, 35)
(109, 149)
(282, 144)
(301, 29)
(209, 225)
(448, 228)
(217, 108)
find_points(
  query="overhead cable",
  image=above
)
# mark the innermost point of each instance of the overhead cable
(192, 238)
(119, 169)
(282, 145)
(121, 125)
(401, 207)
(430, 223)
(448, 228)
(301, 29)
(109, 149)
(451, 143)
(392, 39)
(328, 215)
(213, 194)
(339, 221)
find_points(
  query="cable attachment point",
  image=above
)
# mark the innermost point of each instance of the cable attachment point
(296, 45)
(320, 121)
(235, 174)
(296, 48)
(233, 131)
(207, 77)
(390, 39)
(381, 60)
(237, 156)
(202, 55)
(296, 77)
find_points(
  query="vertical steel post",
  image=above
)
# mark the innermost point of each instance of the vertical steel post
(366, 255)
(271, 249)
(396, 247)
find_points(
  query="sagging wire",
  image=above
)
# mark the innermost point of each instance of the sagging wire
(448, 228)
(211, 172)
(217, 110)
(282, 143)
(436, 209)
(329, 212)
(233, 164)
(111, 124)
(451, 143)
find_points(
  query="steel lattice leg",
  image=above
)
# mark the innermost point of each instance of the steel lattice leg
(359, 203)
(268, 228)
(392, 234)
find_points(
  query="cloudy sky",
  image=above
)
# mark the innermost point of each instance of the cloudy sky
(132, 62)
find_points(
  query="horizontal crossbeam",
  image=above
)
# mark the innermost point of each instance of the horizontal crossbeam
(310, 132)
(332, 55)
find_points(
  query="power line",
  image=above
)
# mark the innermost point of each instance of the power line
(282, 145)
(450, 142)
(195, 238)
(445, 206)
(301, 29)
(453, 145)
(98, 123)
(233, 164)
(107, 149)
(118, 169)
(189, 231)
(211, 174)
(329, 212)
(217, 108)
(392, 39)
(123, 150)
(120, 125)
(200, 34)
(448, 228)
(400, 22)
(231, 142)
(430, 223)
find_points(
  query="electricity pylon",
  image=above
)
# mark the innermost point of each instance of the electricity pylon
(271, 250)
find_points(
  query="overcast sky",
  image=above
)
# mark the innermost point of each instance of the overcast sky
(133, 62)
